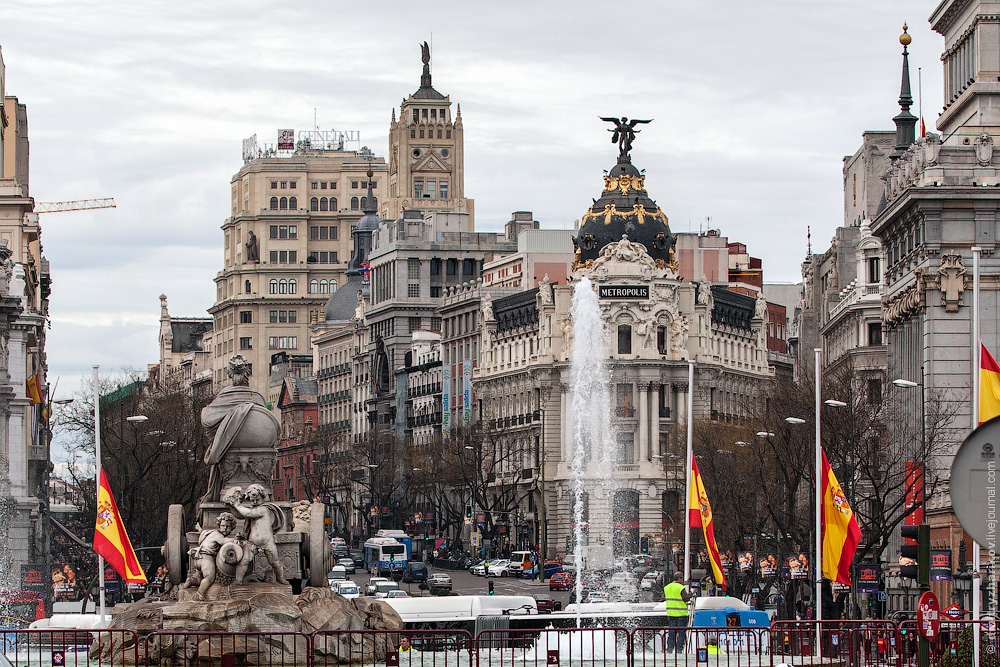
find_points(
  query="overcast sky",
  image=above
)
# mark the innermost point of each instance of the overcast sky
(755, 104)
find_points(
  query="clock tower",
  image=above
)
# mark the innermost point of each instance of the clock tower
(426, 154)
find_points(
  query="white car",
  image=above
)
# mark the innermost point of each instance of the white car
(479, 569)
(499, 568)
(648, 582)
(348, 589)
(383, 587)
(373, 583)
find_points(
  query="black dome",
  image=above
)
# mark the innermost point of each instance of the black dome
(624, 208)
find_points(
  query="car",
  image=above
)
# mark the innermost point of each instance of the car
(560, 581)
(479, 569)
(550, 569)
(596, 596)
(358, 558)
(648, 582)
(546, 604)
(338, 573)
(439, 581)
(383, 588)
(347, 564)
(569, 563)
(498, 568)
(370, 587)
(348, 589)
(341, 551)
(417, 570)
(397, 594)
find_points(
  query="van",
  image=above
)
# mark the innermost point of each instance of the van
(417, 570)
(521, 557)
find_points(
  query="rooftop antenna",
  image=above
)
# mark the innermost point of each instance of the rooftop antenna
(315, 123)
(809, 243)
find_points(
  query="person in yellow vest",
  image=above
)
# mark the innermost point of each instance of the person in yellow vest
(676, 595)
(405, 646)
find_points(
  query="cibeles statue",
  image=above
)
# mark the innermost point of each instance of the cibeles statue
(244, 447)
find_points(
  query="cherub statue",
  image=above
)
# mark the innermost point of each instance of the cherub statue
(203, 570)
(264, 520)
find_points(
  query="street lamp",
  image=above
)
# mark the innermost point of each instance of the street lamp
(137, 419)
(795, 420)
(832, 403)
(764, 434)
(909, 384)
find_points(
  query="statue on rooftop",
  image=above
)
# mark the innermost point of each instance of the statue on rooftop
(624, 134)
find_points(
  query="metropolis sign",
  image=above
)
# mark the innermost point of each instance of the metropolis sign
(623, 292)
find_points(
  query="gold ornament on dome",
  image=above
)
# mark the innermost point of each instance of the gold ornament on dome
(625, 182)
(638, 212)
(582, 265)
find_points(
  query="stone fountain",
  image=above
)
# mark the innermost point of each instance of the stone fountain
(253, 564)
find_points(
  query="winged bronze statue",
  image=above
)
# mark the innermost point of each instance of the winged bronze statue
(624, 133)
(425, 53)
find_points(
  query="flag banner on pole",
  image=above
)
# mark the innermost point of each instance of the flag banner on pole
(841, 533)
(701, 515)
(110, 539)
(989, 387)
(34, 389)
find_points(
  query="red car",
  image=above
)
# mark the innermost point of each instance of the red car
(560, 581)
(546, 604)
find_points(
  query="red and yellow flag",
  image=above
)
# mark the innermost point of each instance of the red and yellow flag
(989, 386)
(34, 389)
(111, 540)
(841, 533)
(701, 515)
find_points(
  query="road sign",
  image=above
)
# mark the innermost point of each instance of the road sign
(928, 616)
(474, 539)
(974, 483)
(954, 612)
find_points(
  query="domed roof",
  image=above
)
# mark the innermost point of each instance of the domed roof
(343, 303)
(624, 208)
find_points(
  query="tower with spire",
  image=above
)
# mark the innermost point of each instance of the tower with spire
(426, 153)
(905, 121)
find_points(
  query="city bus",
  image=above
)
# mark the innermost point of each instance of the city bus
(384, 554)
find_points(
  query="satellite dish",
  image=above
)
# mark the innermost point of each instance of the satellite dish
(974, 474)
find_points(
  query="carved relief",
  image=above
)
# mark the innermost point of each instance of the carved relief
(625, 251)
(984, 149)
(679, 336)
(932, 148)
(951, 274)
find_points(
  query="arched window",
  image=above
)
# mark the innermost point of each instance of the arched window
(274, 287)
(314, 204)
(354, 203)
(314, 287)
(322, 204)
(283, 204)
(291, 286)
(282, 287)
(322, 287)
(333, 286)
(274, 203)
(624, 339)
(247, 287)
(374, 202)
(333, 203)
(293, 203)
(364, 202)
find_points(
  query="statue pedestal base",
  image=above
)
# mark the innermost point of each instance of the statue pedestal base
(222, 592)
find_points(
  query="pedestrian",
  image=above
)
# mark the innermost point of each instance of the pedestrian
(405, 646)
(677, 596)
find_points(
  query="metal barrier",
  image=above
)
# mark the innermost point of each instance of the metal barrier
(579, 647)
(956, 638)
(228, 649)
(856, 643)
(405, 648)
(70, 648)
(670, 646)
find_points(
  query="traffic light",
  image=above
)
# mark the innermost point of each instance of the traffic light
(392, 558)
(468, 511)
(915, 559)
(491, 587)
(644, 544)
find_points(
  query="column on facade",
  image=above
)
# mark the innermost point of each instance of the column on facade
(643, 421)
(682, 390)
(567, 427)
(654, 408)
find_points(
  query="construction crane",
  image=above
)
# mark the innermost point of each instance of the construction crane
(76, 205)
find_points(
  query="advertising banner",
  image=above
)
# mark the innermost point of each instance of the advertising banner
(866, 577)
(767, 564)
(33, 578)
(446, 400)
(745, 561)
(914, 486)
(467, 390)
(797, 565)
(64, 583)
(940, 565)
(286, 140)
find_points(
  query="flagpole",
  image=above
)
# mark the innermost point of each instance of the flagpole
(97, 458)
(977, 347)
(687, 474)
(819, 516)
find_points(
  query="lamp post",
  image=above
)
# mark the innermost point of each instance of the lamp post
(909, 384)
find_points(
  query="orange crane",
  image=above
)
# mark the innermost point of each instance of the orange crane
(76, 205)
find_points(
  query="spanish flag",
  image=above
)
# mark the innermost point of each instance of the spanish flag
(989, 386)
(34, 389)
(841, 533)
(111, 540)
(701, 515)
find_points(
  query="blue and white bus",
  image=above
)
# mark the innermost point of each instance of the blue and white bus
(384, 554)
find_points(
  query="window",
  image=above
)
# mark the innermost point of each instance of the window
(333, 186)
(291, 184)
(273, 257)
(333, 203)
(354, 185)
(451, 267)
(468, 267)
(274, 185)
(435, 267)
(282, 287)
(418, 188)
(874, 391)
(322, 186)
(273, 286)
(447, 134)
(284, 184)
(874, 269)
(293, 203)
(274, 203)
(315, 185)
(247, 287)
(435, 291)
(661, 340)
(624, 339)
(430, 190)
(626, 449)
(246, 343)
(246, 317)
(874, 333)
(323, 204)
(413, 290)
(293, 231)
(354, 203)
(624, 403)
(333, 233)
(443, 186)
(282, 316)
(413, 134)
(293, 316)
(313, 233)
(413, 269)
(291, 286)
(314, 204)
(435, 324)
(314, 287)
(293, 256)
(414, 323)
(273, 317)
(283, 203)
